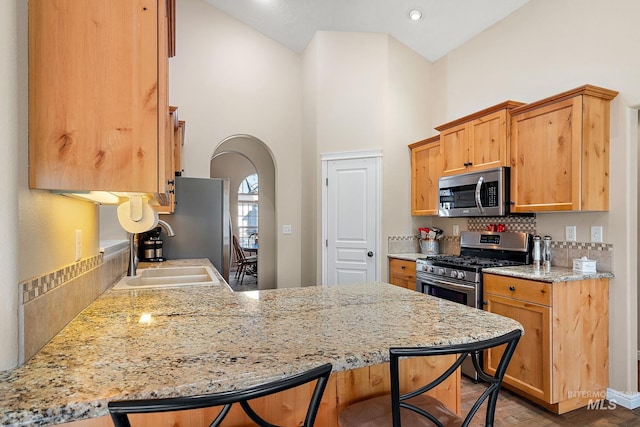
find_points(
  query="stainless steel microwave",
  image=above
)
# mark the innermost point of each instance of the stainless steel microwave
(483, 193)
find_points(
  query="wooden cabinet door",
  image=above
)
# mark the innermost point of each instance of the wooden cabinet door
(97, 95)
(545, 158)
(454, 148)
(426, 168)
(488, 142)
(530, 366)
(168, 161)
(402, 273)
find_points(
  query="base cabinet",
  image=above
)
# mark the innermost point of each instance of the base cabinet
(562, 360)
(402, 273)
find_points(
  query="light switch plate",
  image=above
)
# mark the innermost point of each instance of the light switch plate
(596, 233)
(286, 229)
(570, 233)
(456, 230)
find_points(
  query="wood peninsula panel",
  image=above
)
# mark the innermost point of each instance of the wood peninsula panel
(289, 407)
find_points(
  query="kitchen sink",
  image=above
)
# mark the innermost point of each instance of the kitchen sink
(168, 277)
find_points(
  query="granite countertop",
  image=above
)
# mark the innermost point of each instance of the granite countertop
(203, 339)
(407, 256)
(556, 274)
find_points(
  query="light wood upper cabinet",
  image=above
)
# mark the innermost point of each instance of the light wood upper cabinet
(426, 168)
(564, 349)
(560, 152)
(169, 161)
(98, 96)
(477, 141)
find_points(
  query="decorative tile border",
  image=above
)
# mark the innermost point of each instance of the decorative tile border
(37, 286)
(590, 246)
(512, 223)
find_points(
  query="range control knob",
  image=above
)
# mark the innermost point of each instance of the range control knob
(460, 274)
(442, 271)
(454, 274)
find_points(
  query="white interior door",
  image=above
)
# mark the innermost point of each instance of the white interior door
(352, 220)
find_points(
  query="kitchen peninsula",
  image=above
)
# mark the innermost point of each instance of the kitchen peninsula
(202, 339)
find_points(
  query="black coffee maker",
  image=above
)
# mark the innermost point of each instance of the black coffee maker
(150, 246)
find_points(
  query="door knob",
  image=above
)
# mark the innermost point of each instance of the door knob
(369, 254)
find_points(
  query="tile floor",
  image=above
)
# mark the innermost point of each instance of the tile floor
(513, 410)
(249, 282)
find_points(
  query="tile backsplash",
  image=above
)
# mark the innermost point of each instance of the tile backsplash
(562, 253)
(51, 300)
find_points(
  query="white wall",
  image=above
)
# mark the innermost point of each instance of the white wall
(8, 169)
(546, 47)
(38, 232)
(366, 91)
(227, 79)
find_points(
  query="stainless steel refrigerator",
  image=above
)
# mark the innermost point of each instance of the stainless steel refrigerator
(201, 222)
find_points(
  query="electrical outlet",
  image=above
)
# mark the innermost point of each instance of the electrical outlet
(456, 230)
(596, 233)
(286, 229)
(570, 233)
(78, 244)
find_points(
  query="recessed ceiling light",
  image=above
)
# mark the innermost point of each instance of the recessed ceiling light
(415, 14)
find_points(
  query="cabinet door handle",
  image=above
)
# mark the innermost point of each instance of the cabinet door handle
(512, 288)
(402, 267)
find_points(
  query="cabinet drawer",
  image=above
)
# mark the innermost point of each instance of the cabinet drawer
(402, 266)
(521, 289)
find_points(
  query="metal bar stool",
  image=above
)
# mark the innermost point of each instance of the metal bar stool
(415, 408)
(119, 410)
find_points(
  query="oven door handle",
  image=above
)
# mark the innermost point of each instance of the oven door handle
(478, 199)
(465, 288)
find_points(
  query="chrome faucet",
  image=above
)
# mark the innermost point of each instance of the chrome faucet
(133, 246)
(167, 227)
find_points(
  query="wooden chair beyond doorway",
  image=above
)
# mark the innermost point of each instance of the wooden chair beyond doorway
(244, 263)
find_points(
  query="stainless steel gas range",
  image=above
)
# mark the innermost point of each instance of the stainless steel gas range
(458, 278)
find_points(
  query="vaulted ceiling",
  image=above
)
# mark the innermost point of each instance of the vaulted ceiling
(445, 24)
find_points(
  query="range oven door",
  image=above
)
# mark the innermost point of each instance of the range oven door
(462, 293)
(484, 193)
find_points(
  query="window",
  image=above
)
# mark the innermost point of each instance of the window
(248, 211)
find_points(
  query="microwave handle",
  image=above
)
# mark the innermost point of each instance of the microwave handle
(478, 200)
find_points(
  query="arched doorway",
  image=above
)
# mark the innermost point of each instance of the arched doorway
(235, 158)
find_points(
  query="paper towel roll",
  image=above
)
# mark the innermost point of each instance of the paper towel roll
(137, 216)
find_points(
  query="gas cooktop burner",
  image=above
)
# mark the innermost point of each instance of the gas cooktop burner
(469, 261)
